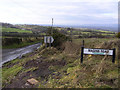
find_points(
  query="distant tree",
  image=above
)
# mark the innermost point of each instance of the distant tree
(59, 37)
(118, 35)
(68, 28)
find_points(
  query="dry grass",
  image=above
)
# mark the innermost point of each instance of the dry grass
(58, 69)
(101, 67)
(71, 48)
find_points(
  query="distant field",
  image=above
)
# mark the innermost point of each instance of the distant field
(15, 30)
(91, 42)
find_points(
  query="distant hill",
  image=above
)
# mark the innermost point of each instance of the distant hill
(110, 27)
(7, 27)
(33, 28)
(75, 31)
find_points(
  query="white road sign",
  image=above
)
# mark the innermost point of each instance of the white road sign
(98, 51)
(45, 41)
(48, 39)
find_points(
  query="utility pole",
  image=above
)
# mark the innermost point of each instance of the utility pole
(52, 27)
(71, 34)
(51, 32)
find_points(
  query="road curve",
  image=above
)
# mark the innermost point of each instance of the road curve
(10, 54)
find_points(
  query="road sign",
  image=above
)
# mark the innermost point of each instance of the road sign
(45, 41)
(48, 39)
(98, 51)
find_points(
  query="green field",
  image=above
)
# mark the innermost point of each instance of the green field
(84, 32)
(11, 42)
(15, 30)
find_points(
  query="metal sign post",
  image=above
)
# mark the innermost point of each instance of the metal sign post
(45, 41)
(51, 33)
(49, 39)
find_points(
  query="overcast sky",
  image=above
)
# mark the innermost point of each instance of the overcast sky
(64, 12)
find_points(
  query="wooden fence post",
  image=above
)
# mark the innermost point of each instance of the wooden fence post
(113, 59)
(82, 51)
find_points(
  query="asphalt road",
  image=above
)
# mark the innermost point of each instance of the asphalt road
(10, 54)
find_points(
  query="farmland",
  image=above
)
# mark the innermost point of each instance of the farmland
(15, 30)
(15, 37)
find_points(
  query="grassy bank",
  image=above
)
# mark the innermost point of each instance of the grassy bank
(10, 42)
(62, 69)
(13, 46)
